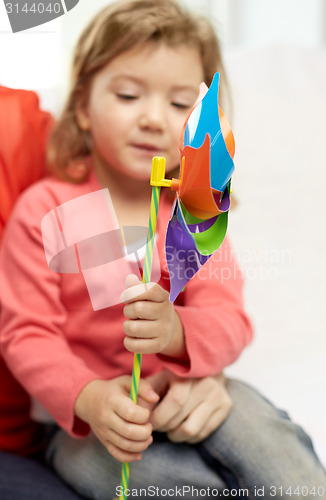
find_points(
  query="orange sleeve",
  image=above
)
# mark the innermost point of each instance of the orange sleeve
(24, 130)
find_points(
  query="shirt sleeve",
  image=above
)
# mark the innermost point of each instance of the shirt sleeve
(24, 129)
(33, 318)
(216, 326)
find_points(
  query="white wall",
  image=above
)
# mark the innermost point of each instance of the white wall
(39, 58)
(266, 22)
(31, 59)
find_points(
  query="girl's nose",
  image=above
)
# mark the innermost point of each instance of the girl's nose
(152, 115)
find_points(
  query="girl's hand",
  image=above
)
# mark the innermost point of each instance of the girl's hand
(153, 325)
(191, 409)
(122, 426)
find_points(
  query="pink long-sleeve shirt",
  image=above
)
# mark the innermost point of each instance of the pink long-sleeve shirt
(55, 343)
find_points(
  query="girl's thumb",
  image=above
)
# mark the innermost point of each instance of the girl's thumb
(147, 392)
(132, 280)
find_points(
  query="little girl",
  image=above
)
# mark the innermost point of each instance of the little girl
(136, 73)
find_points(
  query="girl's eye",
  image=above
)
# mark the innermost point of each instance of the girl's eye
(127, 97)
(180, 105)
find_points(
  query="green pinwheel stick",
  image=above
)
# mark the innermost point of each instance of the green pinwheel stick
(157, 181)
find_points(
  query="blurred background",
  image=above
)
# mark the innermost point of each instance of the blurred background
(275, 54)
(249, 23)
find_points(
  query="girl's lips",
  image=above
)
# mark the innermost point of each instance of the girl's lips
(147, 149)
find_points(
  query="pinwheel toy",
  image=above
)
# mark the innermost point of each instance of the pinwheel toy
(199, 222)
(200, 215)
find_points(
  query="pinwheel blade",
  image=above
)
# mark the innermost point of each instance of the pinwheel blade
(200, 217)
(189, 245)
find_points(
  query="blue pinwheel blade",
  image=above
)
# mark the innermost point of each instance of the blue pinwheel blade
(203, 120)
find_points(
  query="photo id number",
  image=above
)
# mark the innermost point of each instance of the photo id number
(34, 8)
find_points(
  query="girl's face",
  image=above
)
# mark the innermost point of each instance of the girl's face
(137, 106)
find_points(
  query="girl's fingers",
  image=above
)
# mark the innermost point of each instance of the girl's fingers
(146, 391)
(177, 416)
(128, 445)
(144, 291)
(191, 427)
(129, 412)
(200, 423)
(137, 292)
(140, 329)
(211, 425)
(175, 406)
(126, 410)
(160, 381)
(132, 280)
(121, 455)
(130, 431)
(142, 309)
(143, 345)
